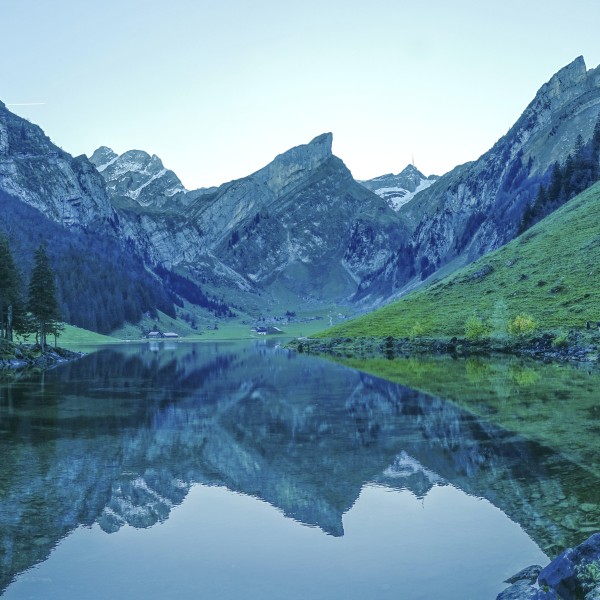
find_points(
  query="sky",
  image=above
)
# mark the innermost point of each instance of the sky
(218, 89)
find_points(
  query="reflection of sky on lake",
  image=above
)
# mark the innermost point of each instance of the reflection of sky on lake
(219, 544)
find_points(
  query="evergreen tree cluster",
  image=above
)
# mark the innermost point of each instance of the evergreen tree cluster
(42, 305)
(39, 315)
(580, 170)
(11, 292)
(100, 285)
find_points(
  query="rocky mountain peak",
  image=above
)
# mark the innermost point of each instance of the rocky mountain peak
(398, 190)
(65, 189)
(102, 157)
(137, 175)
(323, 141)
(296, 164)
(571, 75)
(411, 173)
(564, 87)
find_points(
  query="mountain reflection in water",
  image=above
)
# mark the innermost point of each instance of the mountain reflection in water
(120, 437)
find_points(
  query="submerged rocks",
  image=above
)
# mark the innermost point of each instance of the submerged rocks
(573, 575)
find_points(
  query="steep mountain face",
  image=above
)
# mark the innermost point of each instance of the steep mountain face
(47, 196)
(137, 176)
(65, 189)
(300, 229)
(478, 207)
(398, 190)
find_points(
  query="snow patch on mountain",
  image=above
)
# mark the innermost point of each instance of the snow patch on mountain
(135, 193)
(397, 197)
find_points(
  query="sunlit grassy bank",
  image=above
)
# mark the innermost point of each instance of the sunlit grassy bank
(551, 273)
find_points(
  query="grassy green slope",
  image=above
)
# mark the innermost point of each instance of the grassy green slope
(551, 272)
(72, 336)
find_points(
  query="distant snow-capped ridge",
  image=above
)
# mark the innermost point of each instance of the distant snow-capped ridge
(398, 190)
(137, 175)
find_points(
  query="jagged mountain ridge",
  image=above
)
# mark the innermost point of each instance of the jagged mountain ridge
(477, 207)
(137, 175)
(48, 196)
(65, 189)
(300, 229)
(442, 222)
(398, 190)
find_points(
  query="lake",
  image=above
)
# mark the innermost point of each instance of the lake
(242, 470)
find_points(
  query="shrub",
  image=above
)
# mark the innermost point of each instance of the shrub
(416, 331)
(499, 320)
(589, 575)
(521, 325)
(475, 328)
(561, 341)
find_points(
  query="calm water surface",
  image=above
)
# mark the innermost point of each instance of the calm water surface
(243, 471)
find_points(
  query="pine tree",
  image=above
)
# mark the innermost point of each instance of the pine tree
(596, 136)
(556, 184)
(11, 306)
(42, 294)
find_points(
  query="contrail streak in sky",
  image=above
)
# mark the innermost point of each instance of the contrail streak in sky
(25, 103)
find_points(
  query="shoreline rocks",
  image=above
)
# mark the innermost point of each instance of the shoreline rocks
(15, 357)
(572, 575)
(540, 348)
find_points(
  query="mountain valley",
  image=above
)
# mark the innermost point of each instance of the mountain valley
(300, 235)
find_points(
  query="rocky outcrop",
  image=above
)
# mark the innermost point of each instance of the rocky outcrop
(65, 189)
(20, 356)
(573, 575)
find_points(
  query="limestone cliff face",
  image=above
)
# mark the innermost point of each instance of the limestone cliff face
(65, 189)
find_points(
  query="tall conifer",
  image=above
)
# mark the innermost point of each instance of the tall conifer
(42, 294)
(10, 291)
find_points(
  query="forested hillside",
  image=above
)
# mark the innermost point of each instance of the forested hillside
(100, 285)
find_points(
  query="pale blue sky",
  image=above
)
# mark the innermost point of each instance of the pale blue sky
(217, 89)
